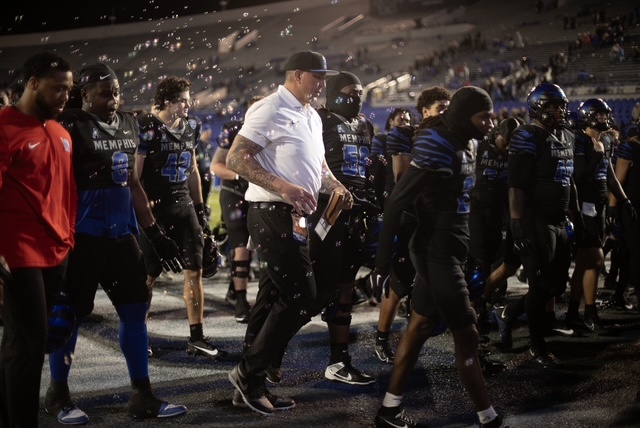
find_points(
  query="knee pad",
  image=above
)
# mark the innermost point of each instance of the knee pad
(235, 264)
(339, 320)
(330, 313)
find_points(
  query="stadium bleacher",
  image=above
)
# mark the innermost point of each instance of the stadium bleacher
(142, 53)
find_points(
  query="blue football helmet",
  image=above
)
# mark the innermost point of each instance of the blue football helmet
(588, 114)
(541, 98)
(475, 277)
(573, 122)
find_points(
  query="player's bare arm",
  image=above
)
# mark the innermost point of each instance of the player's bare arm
(195, 190)
(140, 200)
(219, 165)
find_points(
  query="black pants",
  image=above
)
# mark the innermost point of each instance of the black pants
(286, 291)
(27, 301)
(630, 251)
(547, 270)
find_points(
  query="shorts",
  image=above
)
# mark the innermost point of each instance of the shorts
(180, 222)
(594, 230)
(234, 214)
(440, 293)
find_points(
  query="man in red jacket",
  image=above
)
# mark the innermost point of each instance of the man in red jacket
(37, 215)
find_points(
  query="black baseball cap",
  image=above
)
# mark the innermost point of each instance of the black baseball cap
(309, 61)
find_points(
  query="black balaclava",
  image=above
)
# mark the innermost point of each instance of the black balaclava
(339, 102)
(466, 102)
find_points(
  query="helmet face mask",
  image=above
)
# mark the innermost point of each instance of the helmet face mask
(548, 104)
(595, 113)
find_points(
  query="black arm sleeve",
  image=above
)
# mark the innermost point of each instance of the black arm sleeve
(412, 183)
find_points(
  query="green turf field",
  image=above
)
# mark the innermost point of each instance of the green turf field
(214, 203)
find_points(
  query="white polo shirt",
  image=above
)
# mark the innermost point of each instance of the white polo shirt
(291, 135)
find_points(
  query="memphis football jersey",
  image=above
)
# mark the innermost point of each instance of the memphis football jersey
(169, 157)
(630, 150)
(400, 140)
(382, 176)
(541, 164)
(439, 150)
(103, 160)
(491, 175)
(347, 147)
(592, 186)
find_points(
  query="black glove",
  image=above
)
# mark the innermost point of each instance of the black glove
(628, 207)
(167, 250)
(203, 219)
(612, 214)
(521, 244)
(379, 283)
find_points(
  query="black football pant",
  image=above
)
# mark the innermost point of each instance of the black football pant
(547, 270)
(630, 252)
(28, 297)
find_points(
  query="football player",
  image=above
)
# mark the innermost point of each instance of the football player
(166, 163)
(234, 215)
(595, 178)
(627, 172)
(437, 182)
(431, 102)
(111, 205)
(540, 176)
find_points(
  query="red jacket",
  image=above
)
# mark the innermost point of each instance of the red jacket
(38, 196)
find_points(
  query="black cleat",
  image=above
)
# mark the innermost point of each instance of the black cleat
(394, 417)
(384, 353)
(205, 348)
(545, 359)
(505, 333)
